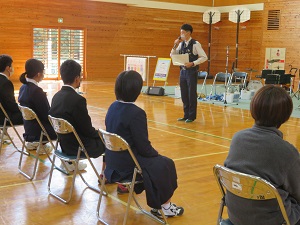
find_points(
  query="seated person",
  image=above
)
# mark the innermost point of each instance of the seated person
(69, 105)
(7, 97)
(262, 151)
(129, 121)
(32, 96)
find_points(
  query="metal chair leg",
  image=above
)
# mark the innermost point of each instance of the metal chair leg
(72, 185)
(36, 159)
(100, 199)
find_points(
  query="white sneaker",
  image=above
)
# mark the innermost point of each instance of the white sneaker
(46, 148)
(32, 145)
(71, 167)
(172, 211)
(5, 138)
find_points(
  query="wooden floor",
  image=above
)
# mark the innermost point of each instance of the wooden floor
(195, 148)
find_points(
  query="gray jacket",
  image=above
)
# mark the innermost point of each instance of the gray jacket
(261, 151)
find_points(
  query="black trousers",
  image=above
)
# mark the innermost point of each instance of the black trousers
(188, 87)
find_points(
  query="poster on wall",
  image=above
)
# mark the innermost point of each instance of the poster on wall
(137, 64)
(275, 58)
(162, 69)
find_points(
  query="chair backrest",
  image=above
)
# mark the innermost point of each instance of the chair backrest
(114, 142)
(240, 75)
(247, 186)
(27, 113)
(4, 112)
(62, 126)
(202, 74)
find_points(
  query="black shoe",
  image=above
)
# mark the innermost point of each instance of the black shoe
(189, 121)
(181, 119)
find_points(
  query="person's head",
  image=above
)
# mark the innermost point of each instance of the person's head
(6, 65)
(186, 31)
(271, 106)
(34, 69)
(128, 86)
(70, 72)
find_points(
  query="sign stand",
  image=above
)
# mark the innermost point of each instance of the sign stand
(140, 56)
(162, 70)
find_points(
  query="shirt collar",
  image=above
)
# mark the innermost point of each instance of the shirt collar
(121, 101)
(188, 41)
(32, 81)
(269, 129)
(66, 85)
(4, 75)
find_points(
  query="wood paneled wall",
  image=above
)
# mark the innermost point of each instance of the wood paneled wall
(250, 38)
(288, 34)
(114, 29)
(236, 2)
(190, 2)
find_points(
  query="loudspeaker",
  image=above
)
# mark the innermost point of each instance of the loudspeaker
(159, 91)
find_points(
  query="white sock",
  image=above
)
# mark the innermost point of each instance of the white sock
(166, 205)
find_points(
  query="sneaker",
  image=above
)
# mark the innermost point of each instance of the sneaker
(182, 119)
(5, 138)
(32, 145)
(172, 211)
(46, 148)
(189, 120)
(122, 189)
(71, 167)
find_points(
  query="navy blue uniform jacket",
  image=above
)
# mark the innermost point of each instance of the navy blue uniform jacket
(71, 106)
(8, 101)
(159, 172)
(35, 98)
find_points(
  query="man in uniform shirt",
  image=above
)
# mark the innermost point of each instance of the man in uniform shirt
(189, 72)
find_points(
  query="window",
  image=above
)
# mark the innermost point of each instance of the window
(55, 45)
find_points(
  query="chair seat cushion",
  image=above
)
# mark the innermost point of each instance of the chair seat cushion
(226, 222)
(66, 157)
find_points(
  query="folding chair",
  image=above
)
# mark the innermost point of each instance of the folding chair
(203, 74)
(61, 127)
(116, 143)
(29, 114)
(245, 186)
(3, 129)
(241, 76)
(224, 77)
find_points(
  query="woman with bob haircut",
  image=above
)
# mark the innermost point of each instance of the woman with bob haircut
(129, 121)
(32, 96)
(262, 151)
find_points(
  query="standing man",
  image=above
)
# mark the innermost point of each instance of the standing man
(7, 97)
(189, 72)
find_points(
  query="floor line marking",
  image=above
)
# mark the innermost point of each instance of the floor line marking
(182, 128)
(19, 184)
(209, 142)
(198, 156)
(190, 130)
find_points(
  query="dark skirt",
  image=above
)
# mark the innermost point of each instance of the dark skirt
(159, 178)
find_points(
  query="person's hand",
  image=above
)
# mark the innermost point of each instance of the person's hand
(189, 64)
(176, 42)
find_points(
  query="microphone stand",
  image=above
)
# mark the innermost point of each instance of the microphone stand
(226, 72)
